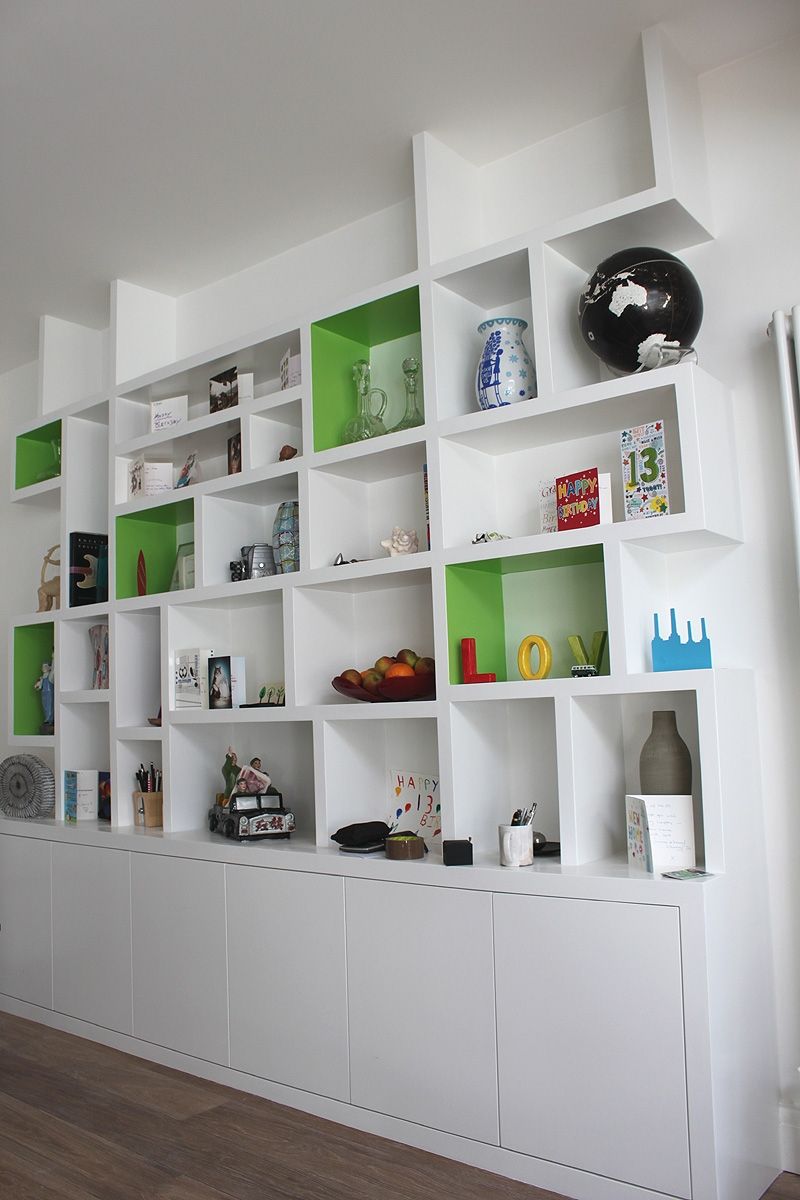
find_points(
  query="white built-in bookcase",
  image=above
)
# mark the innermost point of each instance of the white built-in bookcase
(572, 745)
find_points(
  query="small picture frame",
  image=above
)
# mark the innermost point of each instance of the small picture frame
(183, 571)
(235, 454)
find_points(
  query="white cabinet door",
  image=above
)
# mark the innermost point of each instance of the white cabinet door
(421, 1003)
(287, 978)
(26, 961)
(590, 1037)
(92, 935)
(180, 987)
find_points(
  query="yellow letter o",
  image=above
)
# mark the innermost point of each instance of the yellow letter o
(524, 657)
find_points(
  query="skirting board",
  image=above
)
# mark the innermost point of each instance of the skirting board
(790, 1138)
(548, 1175)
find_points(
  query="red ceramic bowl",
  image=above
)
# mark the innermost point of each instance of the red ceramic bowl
(404, 687)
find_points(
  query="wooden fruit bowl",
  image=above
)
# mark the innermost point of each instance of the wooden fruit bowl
(403, 687)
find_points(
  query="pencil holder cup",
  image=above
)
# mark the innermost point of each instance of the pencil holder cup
(516, 845)
(148, 809)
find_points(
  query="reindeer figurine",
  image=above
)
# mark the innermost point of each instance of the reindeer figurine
(49, 591)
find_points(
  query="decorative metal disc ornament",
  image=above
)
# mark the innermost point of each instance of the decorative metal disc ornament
(27, 787)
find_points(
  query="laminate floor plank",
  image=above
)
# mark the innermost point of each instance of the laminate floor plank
(104, 1170)
(81, 1121)
(158, 1088)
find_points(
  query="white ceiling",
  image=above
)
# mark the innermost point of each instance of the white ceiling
(172, 142)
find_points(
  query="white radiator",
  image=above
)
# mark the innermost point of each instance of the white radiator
(784, 330)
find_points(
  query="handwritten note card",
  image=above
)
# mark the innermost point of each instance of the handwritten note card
(660, 832)
(414, 803)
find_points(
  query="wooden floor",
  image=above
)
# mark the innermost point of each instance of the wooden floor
(79, 1120)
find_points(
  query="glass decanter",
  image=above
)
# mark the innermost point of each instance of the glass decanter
(366, 423)
(412, 416)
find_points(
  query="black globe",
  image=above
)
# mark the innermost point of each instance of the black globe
(637, 301)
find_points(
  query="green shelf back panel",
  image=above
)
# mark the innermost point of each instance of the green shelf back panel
(500, 601)
(475, 609)
(34, 455)
(156, 532)
(338, 341)
(33, 645)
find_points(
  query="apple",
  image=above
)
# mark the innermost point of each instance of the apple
(383, 664)
(370, 680)
(424, 666)
(409, 657)
(351, 675)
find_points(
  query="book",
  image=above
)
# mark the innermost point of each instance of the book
(191, 678)
(644, 471)
(80, 796)
(229, 388)
(104, 795)
(166, 414)
(660, 832)
(583, 499)
(88, 568)
(427, 503)
(226, 681)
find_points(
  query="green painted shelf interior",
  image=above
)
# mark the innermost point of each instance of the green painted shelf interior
(384, 332)
(501, 601)
(157, 532)
(33, 645)
(38, 455)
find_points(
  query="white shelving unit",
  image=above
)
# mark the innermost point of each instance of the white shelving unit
(572, 745)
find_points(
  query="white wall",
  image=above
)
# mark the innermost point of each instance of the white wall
(751, 116)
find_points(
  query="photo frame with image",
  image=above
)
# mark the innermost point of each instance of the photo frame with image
(183, 571)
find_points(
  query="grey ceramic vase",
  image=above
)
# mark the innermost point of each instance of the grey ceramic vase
(665, 764)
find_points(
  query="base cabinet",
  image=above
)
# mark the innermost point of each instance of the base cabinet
(26, 956)
(591, 1037)
(180, 983)
(92, 935)
(287, 978)
(421, 990)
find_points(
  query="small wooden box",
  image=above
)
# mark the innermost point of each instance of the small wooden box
(148, 809)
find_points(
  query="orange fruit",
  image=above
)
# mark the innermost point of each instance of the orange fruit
(398, 670)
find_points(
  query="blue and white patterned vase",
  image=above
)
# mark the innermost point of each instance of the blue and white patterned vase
(286, 538)
(506, 373)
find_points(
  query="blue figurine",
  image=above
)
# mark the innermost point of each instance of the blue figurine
(46, 688)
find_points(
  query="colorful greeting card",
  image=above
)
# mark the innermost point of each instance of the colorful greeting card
(578, 500)
(644, 471)
(414, 803)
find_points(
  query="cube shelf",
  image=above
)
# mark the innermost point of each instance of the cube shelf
(608, 733)
(249, 625)
(362, 760)
(270, 428)
(242, 516)
(38, 455)
(208, 442)
(461, 302)
(500, 601)
(384, 332)
(491, 473)
(137, 654)
(261, 358)
(197, 754)
(355, 503)
(355, 622)
(32, 645)
(157, 531)
(504, 758)
(130, 755)
(76, 659)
